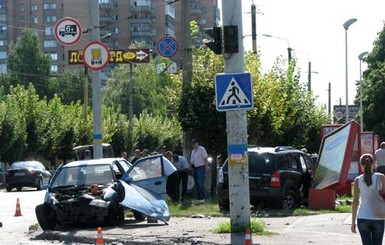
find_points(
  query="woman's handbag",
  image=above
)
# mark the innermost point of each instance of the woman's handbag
(379, 203)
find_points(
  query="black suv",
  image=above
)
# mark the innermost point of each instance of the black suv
(279, 176)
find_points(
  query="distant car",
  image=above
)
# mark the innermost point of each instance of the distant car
(98, 191)
(279, 176)
(26, 174)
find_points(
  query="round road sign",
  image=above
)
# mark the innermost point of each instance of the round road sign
(96, 55)
(68, 31)
(167, 47)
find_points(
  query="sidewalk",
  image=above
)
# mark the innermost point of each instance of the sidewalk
(315, 229)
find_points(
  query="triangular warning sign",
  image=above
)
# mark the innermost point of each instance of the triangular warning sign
(234, 95)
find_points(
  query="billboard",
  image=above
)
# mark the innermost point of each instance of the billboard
(338, 157)
(340, 110)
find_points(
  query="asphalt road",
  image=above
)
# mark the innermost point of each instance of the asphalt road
(315, 229)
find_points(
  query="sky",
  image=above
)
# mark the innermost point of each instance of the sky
(314, 30)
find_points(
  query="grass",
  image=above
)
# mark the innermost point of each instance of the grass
(191, 207)
(256, 226)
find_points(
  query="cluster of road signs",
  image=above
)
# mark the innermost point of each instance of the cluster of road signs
(133, 56)
(233, 91)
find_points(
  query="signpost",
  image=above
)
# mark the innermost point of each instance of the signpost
(167, 47)
(233, 91)
(68, 31)
(96, 55)
(135, 56)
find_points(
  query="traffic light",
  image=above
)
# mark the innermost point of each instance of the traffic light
(216, 34)
(230, 39)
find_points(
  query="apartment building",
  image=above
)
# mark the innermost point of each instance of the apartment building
(122, 23)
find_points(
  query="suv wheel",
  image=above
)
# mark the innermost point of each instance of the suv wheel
(290, 200)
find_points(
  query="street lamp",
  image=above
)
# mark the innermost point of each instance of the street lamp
(346, 27)
(287, 41)
(361, 57)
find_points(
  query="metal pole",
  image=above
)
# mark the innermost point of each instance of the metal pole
(361, 119)
(330, 99)
(309, 78)
(131, 108)
(346, 77)
(346, 27)
(187, 62)
(96, 85)
(236, 122)
(361, 57)
(85, 92)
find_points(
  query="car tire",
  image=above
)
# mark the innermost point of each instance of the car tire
(43, 217)
(290, 199)
(139, 216)
(8, 188)
(115, 216)
(39, 185)
(19, 188)
(224, 206)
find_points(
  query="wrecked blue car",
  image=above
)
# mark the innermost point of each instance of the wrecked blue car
(99, 191)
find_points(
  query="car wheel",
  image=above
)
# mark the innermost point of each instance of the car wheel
(8, 188)
(290, 200)
(39, 185)
(225, 206)
(139, 216)
(115, 216)
(44, 217)
(190, 184)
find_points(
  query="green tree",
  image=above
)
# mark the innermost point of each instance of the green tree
(374, 88)
(27, 63)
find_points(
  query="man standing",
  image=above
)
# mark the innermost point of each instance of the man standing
(183, 168)
(199, 163)
(380, 158)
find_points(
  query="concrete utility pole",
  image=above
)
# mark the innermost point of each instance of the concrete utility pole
(254, 27)
(96, 85)
(187, 61)
(237, 131)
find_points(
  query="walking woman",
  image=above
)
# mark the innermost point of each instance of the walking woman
(370, 224)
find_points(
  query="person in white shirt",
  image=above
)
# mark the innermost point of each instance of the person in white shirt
(367, 185)
(181, 164)
(172, 177)
(199, 162)
(380, 158)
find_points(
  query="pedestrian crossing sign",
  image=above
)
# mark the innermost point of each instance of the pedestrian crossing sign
(233, 91)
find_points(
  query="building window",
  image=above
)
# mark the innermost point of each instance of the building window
(3, 68)
(53, 56)
(34, 8)
(3, 55)
(50, 19)
(3, 43)
(48, 6)
(50, 43)
(34, 20)
(49, 31)
(54, 68)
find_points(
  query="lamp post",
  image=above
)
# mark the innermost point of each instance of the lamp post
(361, 57)
(346, 27)
(289, 49)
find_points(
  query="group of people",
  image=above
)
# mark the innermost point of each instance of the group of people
(178, 171)
(370, 186)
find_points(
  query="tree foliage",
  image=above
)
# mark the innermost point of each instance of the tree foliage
(27, 63)
(373, 87)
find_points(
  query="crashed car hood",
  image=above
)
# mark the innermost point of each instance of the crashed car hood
(145, 201)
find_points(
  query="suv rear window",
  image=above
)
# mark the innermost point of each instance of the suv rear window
(261, 163)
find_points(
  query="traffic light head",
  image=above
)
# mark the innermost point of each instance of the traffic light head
(230, 39)
(216, 44)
